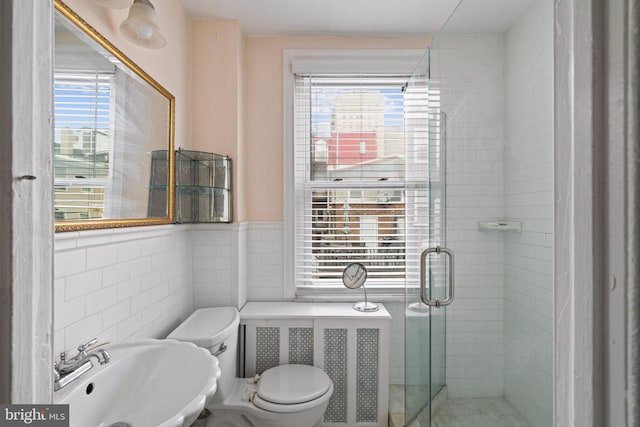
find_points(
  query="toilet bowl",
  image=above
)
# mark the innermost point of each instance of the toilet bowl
(283, 396)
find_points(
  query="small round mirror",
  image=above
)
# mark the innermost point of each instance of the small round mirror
(354, 275)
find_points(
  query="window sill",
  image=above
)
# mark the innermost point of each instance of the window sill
(342, 294)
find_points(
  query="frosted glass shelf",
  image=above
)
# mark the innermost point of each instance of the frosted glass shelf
(203, 186)
(498, 225)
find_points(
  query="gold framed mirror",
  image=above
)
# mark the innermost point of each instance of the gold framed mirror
(114, 157)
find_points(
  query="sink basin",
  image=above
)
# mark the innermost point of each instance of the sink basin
(147, 383)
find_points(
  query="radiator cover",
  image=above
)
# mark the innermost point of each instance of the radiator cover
(354, 352)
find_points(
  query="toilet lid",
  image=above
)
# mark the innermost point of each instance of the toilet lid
(208, 327)
(290, 384)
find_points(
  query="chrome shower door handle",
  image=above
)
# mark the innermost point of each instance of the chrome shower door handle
(423, 281)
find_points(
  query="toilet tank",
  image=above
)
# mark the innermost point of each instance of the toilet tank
(212, 328)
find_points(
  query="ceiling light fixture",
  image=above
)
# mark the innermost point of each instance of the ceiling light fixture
(114, 4)
(141, 27)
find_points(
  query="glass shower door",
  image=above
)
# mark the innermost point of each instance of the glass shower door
(425, 228)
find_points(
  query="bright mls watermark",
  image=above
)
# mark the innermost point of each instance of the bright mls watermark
(34, 415)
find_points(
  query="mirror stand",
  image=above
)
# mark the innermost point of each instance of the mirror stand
(365, 305)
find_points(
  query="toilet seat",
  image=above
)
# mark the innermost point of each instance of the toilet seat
(291, 388)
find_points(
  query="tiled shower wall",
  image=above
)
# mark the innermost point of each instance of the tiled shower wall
(121, 284)
(468, 69)
(529, 199)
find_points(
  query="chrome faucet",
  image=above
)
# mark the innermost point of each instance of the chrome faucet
(68, 370)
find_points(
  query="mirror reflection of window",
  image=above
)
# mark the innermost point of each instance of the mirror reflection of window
(83, 95)
(83, 142)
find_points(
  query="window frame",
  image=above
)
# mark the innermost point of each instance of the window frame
(347, 61)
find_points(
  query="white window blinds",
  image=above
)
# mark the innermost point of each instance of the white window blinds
(349, 177)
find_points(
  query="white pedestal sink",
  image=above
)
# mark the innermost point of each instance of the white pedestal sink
(162, 383)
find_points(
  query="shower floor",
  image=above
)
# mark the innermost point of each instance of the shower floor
(477, 413)
(457, 412)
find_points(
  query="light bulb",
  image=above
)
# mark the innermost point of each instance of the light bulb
(144, 32)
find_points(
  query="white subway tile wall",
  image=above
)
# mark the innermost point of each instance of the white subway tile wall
(235, 263)
(219, 265)
(529, 198)
(468, 69)
(265, 261)
(121, 284)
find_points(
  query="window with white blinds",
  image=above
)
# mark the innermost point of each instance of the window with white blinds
(349, 178)
(83, 120)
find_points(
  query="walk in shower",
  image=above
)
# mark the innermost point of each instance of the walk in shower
(479, 177)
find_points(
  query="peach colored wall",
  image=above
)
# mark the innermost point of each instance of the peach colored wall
(170, 65)
(217, 80)
(262, 164)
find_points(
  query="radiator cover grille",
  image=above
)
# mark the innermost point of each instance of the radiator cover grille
(354, 353)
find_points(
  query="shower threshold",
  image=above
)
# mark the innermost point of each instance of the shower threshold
(397, 405)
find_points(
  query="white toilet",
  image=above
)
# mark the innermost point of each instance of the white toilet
(283, 396)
